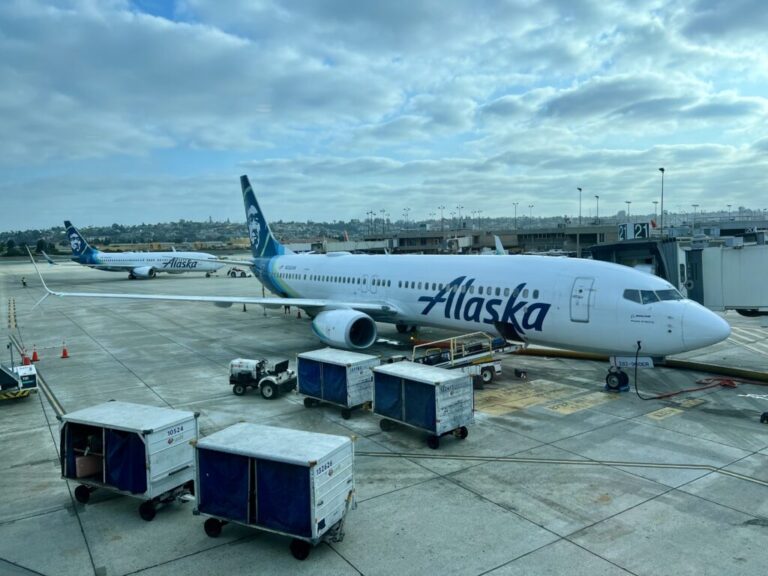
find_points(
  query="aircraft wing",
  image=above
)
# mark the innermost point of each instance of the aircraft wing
(375, 308)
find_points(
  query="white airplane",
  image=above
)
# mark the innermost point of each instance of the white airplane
(138, 264)
(575, 304)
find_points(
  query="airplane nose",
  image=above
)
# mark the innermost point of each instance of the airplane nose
(702, 327)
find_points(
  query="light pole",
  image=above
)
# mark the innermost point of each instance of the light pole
(655, 206)
(662, 201)
(515, 205)
(383, 222)
(405, 213)
(530, 214)
(478, 218)
(597, 208)
(628, 202)
(579, 189)
(578, 237)
(442, 227)
(693, 226)
(729, 212)
(459, 223)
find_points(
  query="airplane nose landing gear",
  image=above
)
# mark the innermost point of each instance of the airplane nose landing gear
(617, 380)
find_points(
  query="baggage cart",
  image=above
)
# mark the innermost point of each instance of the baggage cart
(290, 482)
(337, 377)
(141, 451)
(435, 400)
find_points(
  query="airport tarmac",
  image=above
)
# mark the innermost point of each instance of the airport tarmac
(556, 476)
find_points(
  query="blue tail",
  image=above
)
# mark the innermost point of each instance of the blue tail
(263, 243)
(81, 251)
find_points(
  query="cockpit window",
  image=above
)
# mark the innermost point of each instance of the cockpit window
(633, 295)
(648, 296)
(669, 294)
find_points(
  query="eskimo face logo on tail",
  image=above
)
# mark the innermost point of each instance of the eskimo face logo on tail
(254, 227)
(459, 303)
(76, 243)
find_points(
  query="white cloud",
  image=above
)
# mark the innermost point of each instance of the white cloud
(339, 105)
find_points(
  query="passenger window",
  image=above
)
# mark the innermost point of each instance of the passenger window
(434, 286)
(632, 295)
(498, 291)
(441, 286)
(463, 288)
(506, 292)
(389, 283)
(419, 285)
(535, 294)
(648, 296)
(525, 293)
(400, 284)
(471, 289)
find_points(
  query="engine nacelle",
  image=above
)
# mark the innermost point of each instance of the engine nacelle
(345, 328)
(144, 272)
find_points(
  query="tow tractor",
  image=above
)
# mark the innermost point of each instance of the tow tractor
(473, 354)
(271, 378)
(17, 381)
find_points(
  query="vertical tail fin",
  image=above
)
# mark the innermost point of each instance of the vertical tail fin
(263, 242)
(80, 248)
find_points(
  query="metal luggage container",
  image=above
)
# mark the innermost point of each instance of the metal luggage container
(435, 400)
(289, 482)
(141, 451)
(337, 377)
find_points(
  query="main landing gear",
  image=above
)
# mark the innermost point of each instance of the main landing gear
(617, 380)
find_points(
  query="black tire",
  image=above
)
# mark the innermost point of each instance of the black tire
(623, 379)
(462, 433)
(402, 328)
(486, 375)
(433, 442)
(613, 381)
(238, 389)
(232, 274)
(764, 418)
(310, 402)
(386, 425)
(82, 494)
(207, 274)
(213, 527)
(243, 274)
(300, 549)
(268, 390)
(147, 511)
(346, 413)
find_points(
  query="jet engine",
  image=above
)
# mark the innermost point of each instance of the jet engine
(143, 272)
(345, 328)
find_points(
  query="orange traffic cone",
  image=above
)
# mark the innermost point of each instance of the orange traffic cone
(24, 358)
(64, 352)
(35, 357)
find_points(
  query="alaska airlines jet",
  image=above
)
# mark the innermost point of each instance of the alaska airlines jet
(576, 304)
(138, 264)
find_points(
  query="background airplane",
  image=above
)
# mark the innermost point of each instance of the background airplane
(138, 264)
(575, 304)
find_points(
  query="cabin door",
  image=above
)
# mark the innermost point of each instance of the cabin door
(580, 299)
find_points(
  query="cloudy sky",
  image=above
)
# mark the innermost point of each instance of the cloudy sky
(137, 111)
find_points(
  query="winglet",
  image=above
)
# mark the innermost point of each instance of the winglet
(48, 290)
(499, 247)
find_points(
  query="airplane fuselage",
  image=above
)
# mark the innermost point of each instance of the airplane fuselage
(570, 303)
(169, 262)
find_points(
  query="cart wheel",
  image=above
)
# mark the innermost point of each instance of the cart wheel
(300, 549)
(486, 375)
(213, 527)
(268, 390)
(238, 389)
(386, 425)
(82, 494)
(433, 442)
(462, 433)
(764, 418)
(147, 511)
(346, 413)
(310, 402)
